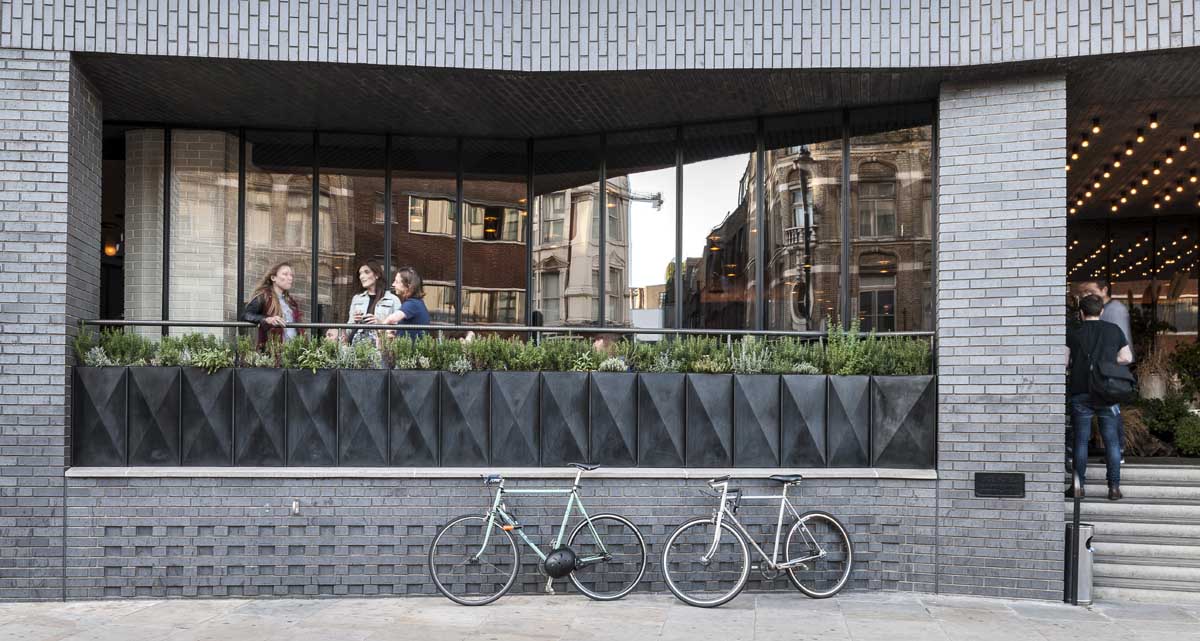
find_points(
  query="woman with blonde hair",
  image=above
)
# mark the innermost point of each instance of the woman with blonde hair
(272, 305)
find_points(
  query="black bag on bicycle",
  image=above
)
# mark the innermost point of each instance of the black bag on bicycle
(1109, 383)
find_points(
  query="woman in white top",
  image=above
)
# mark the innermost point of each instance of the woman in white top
(372, 304)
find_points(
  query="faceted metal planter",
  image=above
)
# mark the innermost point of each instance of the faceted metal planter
(709, 434)
(258, 418)
(362, 418)
(413, 417)
(848, 421)
(206, 417)
(514, 427)
(99, 436)
(802, 409)
(613, 418)
(661, 418)
(904, 414)
(564, 418)
(153, 416)
(756, 425)
(464, 419)
(311, 418)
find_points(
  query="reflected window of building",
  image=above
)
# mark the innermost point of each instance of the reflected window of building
(496, 193)
(891, 204)
(424, 189)
(876, 200)
(566, 175)
(549, 297)
(352, 179)
(877, 293)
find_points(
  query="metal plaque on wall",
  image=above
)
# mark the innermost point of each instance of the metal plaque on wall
(1002, 485)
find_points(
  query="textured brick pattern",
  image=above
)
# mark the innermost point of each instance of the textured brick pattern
(49, 233)
(237, 537)
(557, 35)
(1001, 355)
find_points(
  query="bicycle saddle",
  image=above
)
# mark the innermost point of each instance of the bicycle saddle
(584, 466)
(786, 478)
(492, 479)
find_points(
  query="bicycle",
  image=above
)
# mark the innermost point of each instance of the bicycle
(706, 562)
(474, 559)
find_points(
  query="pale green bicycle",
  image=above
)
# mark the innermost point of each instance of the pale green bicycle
(474, 559)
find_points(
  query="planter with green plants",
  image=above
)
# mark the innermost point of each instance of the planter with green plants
(695, 401)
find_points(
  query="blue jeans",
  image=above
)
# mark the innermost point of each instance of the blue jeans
(1109, 417)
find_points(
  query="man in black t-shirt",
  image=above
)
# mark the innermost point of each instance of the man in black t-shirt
(1105, 342)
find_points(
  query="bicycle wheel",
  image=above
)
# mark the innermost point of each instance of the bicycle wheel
(607, 577)
(820, 539)
(467, 572)
(702, 581)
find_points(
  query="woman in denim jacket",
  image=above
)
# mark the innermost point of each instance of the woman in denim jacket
(373, 304)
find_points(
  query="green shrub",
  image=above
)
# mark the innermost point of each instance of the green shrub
(85, 341)
(490, 352)
(361, 355)
(613, 364)
(897, 356)
(271, 355)
(687, 351)
(1162, 416)
(310, 352)
(96, 357)
(564, 354)
(1185, 363)
(213, 358)
(527, 357)
(846, 352)
(791, 352)
(807, 369)
(712, 364)
(751, 356)
(1187, 436)
(171, 353)
(127, 348)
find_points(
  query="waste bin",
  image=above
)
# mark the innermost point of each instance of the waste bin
(1084, 570)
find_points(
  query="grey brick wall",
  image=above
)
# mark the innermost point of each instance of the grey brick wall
(1001, 349)
(49, 234)
(156, 537)
(558, 35)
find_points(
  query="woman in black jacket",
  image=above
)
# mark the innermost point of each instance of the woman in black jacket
(273, 307)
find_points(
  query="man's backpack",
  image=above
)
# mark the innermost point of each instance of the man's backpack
(1109, 383)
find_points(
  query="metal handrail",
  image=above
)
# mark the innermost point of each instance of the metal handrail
(489, 328)
(1073, 580)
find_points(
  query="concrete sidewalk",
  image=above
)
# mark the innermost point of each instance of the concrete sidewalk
(854, 616)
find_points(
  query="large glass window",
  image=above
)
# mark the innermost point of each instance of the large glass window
(133, 224)
(204, 205)
(803, 193)
(495, 195)
(279, 182)
(719, 229)
(890, 165)
(424, 188)
(566, 178)
(640, 223)
(352, 187)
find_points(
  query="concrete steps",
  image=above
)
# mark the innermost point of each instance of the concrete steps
(1146, 546)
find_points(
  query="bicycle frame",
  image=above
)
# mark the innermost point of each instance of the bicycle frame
(772, 561)
(509, 523)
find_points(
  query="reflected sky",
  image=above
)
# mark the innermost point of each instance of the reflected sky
(710, 192)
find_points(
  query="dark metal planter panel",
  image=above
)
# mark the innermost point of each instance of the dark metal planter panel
(362, 402)
(848, 423)
(661, 420)
(414, 418)
(153, 415)
(258, 433)
(206, 417)
(613, 417)
(514, 437)
(564, 418)
(311, 418)
(904, 422)
(709, 436)
(755, 420)
(464, 419)
(802, 414)
(98, 435)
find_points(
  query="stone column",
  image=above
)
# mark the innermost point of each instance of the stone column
(1001, 269)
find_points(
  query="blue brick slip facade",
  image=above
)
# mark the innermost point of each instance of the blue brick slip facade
(1001, 215)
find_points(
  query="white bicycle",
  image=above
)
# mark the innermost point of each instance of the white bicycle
(706, 561)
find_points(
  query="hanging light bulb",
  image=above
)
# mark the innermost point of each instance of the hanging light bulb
(1116, 160)
(1179, 186)
(1154, 121)
(1145, 179)
(1123, 198)
(1167, 197)
(1072, 210)
(1196, 131)
(1156, 171)
(1107, 174)
(1083, 141)
(1128, 148)
(1096, 184)
(1141, 136)
(1169, 158)
(1095, 125)
(1114, 206)
(1079, 202)
(1192, 177)
(1182, 143)
(1074, 153)
(1068, 167)
(1156, 205)
(1087, 194)
(1133, 189)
